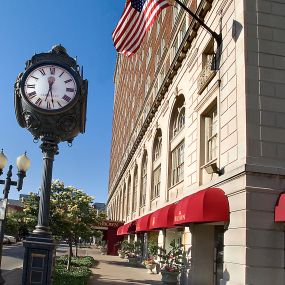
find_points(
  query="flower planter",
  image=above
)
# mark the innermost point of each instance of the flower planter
(121, 253)
(150, 267)
(103, 251)
(169, 278)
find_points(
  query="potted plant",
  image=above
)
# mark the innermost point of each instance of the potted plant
(103, 247)
(120, 250)
(171, 263)
(134, 254)
(125, 249)
(150, 264)
(153, 249)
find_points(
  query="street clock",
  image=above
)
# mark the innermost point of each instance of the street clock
(51, 95)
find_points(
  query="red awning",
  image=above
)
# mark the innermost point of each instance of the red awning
(162, 218)
(132, 227)
(120, 231)
(280, 209)
(128, 228)
(143, 223)
(209, 205)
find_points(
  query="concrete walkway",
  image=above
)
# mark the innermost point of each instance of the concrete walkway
(114, 270)
(13, 277)
(109, 270)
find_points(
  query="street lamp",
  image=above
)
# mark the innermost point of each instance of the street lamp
(23, 163)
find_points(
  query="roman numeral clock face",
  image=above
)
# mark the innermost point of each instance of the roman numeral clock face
(50, 87)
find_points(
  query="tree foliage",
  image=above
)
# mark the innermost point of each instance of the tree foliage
(15, 225)
(71, 213)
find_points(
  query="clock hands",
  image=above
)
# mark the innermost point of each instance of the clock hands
(51, 80)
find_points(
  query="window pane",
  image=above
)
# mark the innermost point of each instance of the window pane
(211, 130)
(156, 182)
(177, 169)
(144, 181)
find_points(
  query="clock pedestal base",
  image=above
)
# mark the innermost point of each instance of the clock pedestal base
(38, 260)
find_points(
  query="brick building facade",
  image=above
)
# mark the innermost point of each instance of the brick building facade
(200, 126)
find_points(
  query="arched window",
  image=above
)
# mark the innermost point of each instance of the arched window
(144, 180)
(178, 117)
(135, 194)
(156, 165)
(157, 146)
(177, 123)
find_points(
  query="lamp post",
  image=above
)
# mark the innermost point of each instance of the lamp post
(23, 164)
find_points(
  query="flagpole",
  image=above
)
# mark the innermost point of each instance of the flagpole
(217, 37)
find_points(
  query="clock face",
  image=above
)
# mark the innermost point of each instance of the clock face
(50, 87)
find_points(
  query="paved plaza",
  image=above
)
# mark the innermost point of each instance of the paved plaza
(117, 271)
(107, 271)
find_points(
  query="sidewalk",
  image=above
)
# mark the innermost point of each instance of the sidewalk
(114, 270)
(13, 277)
(110, 270)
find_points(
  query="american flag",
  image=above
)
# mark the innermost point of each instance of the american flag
(137, 19)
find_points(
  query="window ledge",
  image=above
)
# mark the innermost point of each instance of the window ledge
(173, 186)
(208, 163)
(156, 164)
(153, 199)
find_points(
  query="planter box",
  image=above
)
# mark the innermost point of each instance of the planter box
(169, 278)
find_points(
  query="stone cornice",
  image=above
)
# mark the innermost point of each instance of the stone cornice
(190, 35)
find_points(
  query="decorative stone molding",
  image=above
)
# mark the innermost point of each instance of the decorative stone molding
(207, 74)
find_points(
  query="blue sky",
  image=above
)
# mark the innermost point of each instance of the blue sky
(84, 28)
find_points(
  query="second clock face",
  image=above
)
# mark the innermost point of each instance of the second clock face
(50, 87)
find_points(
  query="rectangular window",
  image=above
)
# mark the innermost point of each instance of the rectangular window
(135, 192)
(156, 182)
(182, 31)
(161, 76)
(158, 27)
(148, 57)
(144, 182)
(162, 47)
(211, 134)
(174, 48)
(175, 11)
(177, 166)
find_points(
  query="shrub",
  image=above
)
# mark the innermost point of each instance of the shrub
(78, 274)
(87, 261)
(172, 261)
(74, 276)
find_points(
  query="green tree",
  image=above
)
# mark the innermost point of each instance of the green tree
(71, 213)
(16, 226)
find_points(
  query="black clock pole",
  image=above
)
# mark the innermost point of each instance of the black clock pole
(49, 149)
(40, 247)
